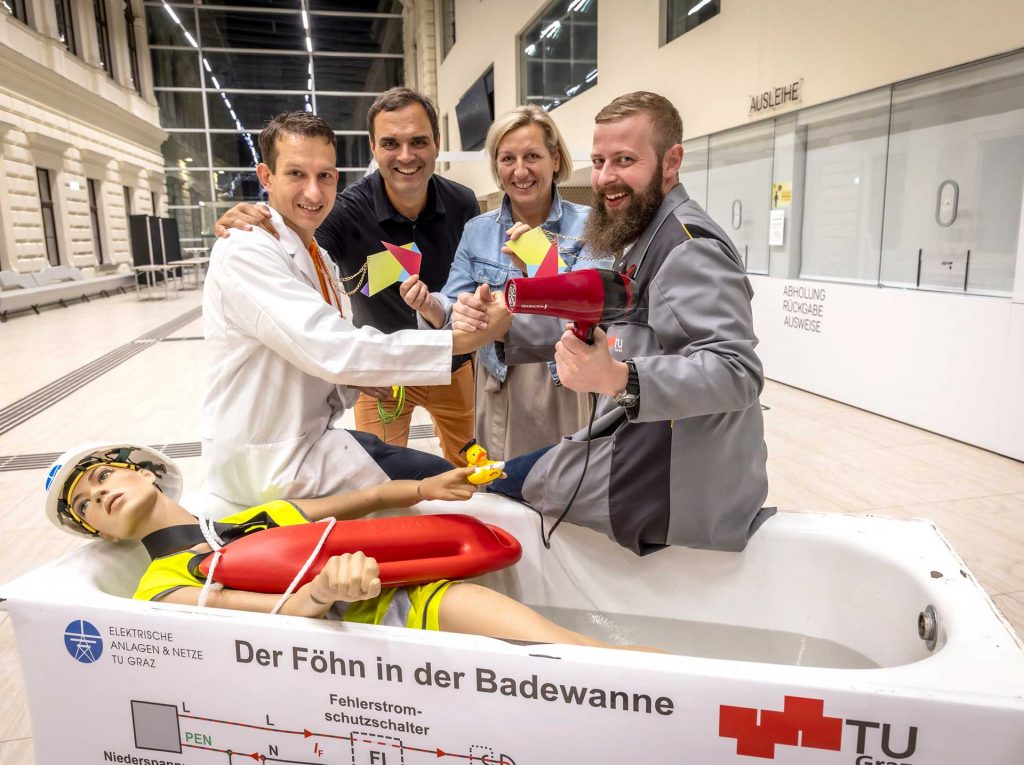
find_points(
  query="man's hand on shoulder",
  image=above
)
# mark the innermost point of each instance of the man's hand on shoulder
(244, 216)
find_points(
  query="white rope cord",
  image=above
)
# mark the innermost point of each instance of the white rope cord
(305, 567)
(212, 539)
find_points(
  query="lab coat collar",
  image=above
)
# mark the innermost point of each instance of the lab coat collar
(294, 246)
(385, 211)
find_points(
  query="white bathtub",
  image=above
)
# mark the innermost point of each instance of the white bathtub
(171, 684)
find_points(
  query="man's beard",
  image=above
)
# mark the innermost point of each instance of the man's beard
(608, 233)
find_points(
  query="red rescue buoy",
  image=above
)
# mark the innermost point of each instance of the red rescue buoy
(412, 549)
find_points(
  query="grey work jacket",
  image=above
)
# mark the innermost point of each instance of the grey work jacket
(686, 467)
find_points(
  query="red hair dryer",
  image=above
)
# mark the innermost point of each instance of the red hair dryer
(586, 297)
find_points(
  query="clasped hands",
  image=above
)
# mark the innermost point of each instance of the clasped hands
(582, 367)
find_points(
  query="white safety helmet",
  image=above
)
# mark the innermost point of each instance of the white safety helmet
(74, 463)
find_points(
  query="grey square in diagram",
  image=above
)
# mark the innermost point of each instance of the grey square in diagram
(156, 726)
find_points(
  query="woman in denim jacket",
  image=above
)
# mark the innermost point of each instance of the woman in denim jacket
(521, 408)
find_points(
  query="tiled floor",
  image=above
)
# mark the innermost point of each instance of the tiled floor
(824, 456)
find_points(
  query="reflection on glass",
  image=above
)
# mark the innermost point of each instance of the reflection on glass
(262, 71)
(965, 126)
(740, 169)
(683, 15)
(358, 6)
(175, 68)
(356, 75)
(348, 113)
(253, 111)
(190, 224)
(164, 30)
(240, 29)
(187, 187)
(844, 185)
(185, 150)
(349, 34)
(180, 110)
(238, 187)
(558, 53)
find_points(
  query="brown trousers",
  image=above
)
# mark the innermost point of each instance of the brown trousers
(450, 407)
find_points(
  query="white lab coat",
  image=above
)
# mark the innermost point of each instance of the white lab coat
(277, 356)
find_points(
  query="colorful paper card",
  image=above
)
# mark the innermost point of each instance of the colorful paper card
(540, 256)
(392, 264)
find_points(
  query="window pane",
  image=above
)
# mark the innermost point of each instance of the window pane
(739, 189)
(232, 150)
(180, 110)
(16, 8)
(187, 187)
(259, 71)
(358, 6)
(350, 34)
(354, 151)
(237, 29)
(961, 133)
(175, 68)
(190, 222)
(163, 30)
(295, 4)
(358, 74)
(694, 172)
(344, 113)
(238, 187)
(684, 15)
(347, 179)
(254, 111)
(185, 150)
(844, 186)
(558, 53)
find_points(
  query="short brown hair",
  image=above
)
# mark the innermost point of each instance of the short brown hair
(665, 119)
(399, 98)
(293, 123)
(522, 116)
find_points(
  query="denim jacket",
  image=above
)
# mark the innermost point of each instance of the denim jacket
(479, 259)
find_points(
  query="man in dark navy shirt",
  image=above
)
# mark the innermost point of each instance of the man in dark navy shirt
(401, 202)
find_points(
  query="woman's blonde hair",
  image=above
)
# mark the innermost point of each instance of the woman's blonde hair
(522, 116)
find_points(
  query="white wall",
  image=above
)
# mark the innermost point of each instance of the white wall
(952, 364)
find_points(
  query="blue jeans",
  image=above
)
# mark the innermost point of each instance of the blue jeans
(401, 462)
(516, 470)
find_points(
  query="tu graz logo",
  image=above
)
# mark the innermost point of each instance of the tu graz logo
(803, 723)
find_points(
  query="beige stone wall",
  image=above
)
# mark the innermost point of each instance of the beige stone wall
(63, 113)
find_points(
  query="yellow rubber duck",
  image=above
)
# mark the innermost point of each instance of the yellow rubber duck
(486, 470)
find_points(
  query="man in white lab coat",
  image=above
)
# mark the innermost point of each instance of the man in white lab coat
(283, 358)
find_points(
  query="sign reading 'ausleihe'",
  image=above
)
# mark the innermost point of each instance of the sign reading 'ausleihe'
(776, 97)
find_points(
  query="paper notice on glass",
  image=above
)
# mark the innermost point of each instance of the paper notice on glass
(776, 227)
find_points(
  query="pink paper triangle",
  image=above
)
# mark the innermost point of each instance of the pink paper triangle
(549, 266)
(410, 259)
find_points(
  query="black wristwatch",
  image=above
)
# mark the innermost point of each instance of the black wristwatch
(630, 397)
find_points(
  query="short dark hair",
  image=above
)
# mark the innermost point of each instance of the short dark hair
(293, 123)
(665, 119)
(399, 98)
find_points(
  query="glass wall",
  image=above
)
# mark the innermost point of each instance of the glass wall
(222, 69)
(916, 185)
(955, 178)
(844, 187)
(739, 183)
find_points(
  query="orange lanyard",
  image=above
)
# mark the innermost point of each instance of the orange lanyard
(326, 283)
